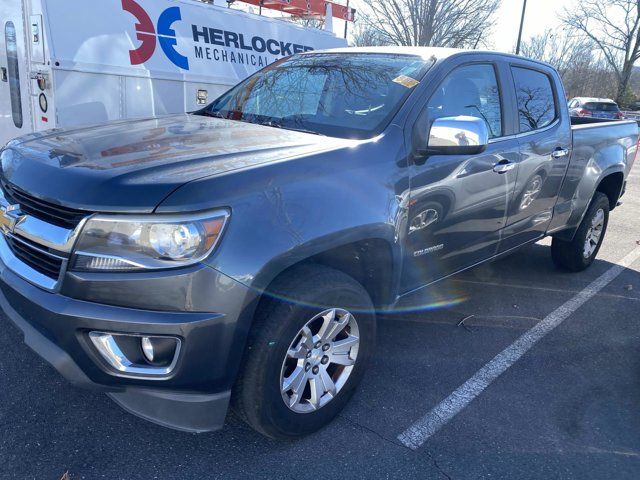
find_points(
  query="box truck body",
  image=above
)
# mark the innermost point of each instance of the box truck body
(72, 62)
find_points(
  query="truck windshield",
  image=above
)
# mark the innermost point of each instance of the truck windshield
(333, 94)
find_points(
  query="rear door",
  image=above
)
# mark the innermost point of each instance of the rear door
(14, 111)
(545, 140)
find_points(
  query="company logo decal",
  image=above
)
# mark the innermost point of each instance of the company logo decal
(10, 216)
(146, 33)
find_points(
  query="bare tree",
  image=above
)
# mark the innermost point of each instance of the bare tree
(614, 28)
(560, 50)
(442, 23)
(589, 77)
(583, 69)
(365, 36)
(307, 21)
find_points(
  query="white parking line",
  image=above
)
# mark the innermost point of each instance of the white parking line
(418, 433)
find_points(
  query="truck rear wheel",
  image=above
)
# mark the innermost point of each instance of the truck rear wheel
(580, 252)
(307, 351)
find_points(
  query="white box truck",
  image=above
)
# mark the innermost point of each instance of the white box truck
(77, 62)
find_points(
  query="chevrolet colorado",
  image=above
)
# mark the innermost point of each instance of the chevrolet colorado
(240, 253)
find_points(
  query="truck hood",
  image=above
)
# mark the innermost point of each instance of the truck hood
(132, 166)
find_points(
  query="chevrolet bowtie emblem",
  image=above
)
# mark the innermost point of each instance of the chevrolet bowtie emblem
(9, 217)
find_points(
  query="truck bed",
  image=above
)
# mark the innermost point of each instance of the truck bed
(597, 136)
(594, 120)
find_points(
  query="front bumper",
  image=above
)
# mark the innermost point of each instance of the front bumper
(195, 396)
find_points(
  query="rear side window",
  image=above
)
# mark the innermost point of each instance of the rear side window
(536, 103)
(13, 73)
(470, 90)
(601, 106)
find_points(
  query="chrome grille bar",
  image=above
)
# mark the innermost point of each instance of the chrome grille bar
(17, 266)
(35, 249)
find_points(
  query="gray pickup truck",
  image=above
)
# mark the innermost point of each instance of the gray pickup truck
(239, 254)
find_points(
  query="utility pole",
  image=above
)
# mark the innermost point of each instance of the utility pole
(524, 9)
(346, 22)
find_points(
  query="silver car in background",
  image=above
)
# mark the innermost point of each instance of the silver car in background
(594, 107)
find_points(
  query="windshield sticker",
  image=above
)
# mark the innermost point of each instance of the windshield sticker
(406, 81)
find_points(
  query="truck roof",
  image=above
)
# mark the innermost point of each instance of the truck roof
(426, 52)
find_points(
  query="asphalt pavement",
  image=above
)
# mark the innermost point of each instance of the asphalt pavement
(567, 407)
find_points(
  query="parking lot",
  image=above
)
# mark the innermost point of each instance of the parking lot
(564, 407)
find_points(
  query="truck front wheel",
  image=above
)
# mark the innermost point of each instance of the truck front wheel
(311, 340)
(580, 252)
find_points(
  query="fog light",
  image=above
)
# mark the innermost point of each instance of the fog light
(137, 355)
(147, 348)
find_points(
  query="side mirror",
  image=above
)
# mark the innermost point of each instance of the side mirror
(461, 135)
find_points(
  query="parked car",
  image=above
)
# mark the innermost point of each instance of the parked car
(594, 107)
(242, 251)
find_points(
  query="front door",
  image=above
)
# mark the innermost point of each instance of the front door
(458, 203)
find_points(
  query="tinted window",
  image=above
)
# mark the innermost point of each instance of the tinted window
(536, 105)
(601, 106)
(341, 95)
(470, 90)
(13, 73)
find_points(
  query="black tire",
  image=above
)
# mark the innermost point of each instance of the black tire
(293, 300)
(570, 255)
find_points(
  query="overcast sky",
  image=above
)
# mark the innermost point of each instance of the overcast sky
(541, 15)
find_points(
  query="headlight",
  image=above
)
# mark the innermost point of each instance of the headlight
(125, 242)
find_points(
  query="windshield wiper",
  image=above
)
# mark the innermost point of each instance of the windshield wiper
(274, 124)
(212, 114)
(270, 123)
(304, 130)
(267, 123)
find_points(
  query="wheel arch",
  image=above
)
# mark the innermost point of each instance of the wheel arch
(370, 260)
(611, 185)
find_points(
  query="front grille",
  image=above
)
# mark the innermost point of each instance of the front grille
(41, 261)
(46, 211)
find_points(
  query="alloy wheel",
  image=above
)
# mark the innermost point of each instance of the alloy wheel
(320, 360)
(594, 234)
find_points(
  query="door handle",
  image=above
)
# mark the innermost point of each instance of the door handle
(3, 74)
(503, 166)
(560, 152)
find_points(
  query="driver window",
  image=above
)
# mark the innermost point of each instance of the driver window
(471, 90)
